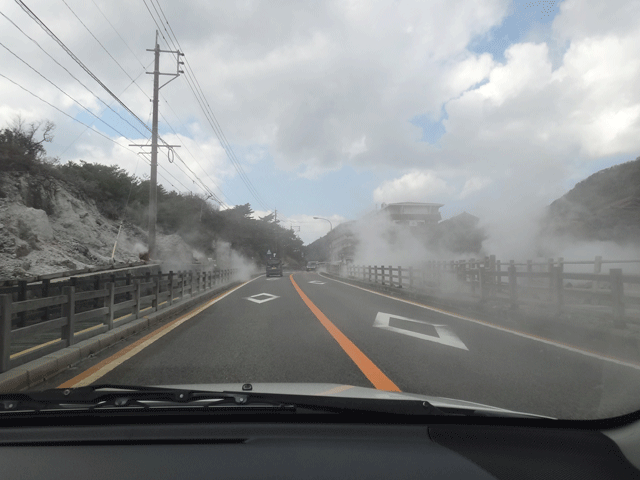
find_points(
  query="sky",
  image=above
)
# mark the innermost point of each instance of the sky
(332, 108)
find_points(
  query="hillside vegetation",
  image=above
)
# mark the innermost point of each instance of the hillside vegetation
(43, 200)
(604, 206)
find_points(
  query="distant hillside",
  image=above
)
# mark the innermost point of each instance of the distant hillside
(605, 206)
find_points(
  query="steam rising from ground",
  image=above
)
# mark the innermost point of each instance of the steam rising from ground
(224, 258)
(512, 237)
(229, 258)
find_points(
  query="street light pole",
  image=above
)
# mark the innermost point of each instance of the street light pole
(325, 219)
(331, 229)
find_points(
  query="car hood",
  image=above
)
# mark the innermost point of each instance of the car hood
(349, 391)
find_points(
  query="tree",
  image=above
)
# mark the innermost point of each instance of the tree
(22, 144)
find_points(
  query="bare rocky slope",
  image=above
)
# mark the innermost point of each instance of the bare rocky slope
(47, 226)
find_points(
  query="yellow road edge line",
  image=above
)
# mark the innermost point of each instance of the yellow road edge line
(530, 336)
(366, 366)
(105, 366)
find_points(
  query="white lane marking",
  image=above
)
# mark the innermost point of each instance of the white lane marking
(445, 334)
(535, 338)
(272, 279)
(255, 299)
(123, 358)
(317, 282)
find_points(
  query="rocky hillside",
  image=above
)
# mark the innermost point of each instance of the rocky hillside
(605, 206)
(47, 226)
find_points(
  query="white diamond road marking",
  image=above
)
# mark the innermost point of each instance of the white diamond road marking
(272, 279)
(269, 297)
(445, 335)
(316, 282)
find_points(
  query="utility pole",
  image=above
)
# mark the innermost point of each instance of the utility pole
(153, 179)
(275, 220)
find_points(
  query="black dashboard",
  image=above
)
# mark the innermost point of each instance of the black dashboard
(314, 446)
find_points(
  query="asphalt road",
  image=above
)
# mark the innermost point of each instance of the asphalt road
(326, 331)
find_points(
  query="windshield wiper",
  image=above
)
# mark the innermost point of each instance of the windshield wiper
(120, 397)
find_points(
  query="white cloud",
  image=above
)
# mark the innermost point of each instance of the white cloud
(414, 186)
(473, 185)
(317, 86)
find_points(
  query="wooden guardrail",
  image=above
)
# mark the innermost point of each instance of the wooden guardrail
(547, 283)
(100, 304)
(4, 284)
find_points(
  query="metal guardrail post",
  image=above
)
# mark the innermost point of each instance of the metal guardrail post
(128, 282)
(5, 332)
(111, 303)
(69, 311)
(471, 275)
(382, 274)
(513, 286)
(45, 293)
(410, 277)
(550, 270)
(375, 274)
(96, 286)
(181, 277)
(399, 276)
(597, 268)
(22, 296)
(559, 287)
(155, 302)
(617, 296)
(484, 285)
(170, 287)
(136, 296)
(391, 275)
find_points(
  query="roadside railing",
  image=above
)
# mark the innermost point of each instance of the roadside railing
(516, 283)
(83, 308)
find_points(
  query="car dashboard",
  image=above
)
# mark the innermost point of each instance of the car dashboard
(286, 446)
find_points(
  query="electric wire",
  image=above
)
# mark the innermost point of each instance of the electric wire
(71, 74)
(204, 105)
(47, 30)
(59, 89)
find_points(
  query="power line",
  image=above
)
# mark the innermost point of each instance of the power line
(77, 60)
(114, 29)
(63, 112)
(42, 25)
(133, 81)
(93, 129)
(105, 49)
(71, 74)
(196, 89)
(127, 74)
(63, 92)
(82, 133)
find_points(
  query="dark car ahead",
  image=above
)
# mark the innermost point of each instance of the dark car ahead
(312, 266)
(274, 267)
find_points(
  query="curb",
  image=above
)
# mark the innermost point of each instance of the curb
(36, 371)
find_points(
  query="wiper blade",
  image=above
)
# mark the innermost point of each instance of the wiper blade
(118, 397)
(104, 397)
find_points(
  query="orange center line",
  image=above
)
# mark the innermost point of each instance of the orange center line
(366, 366)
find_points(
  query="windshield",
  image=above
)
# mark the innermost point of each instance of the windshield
(433, 198)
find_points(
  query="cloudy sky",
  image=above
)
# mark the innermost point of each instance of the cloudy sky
(495, 107)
